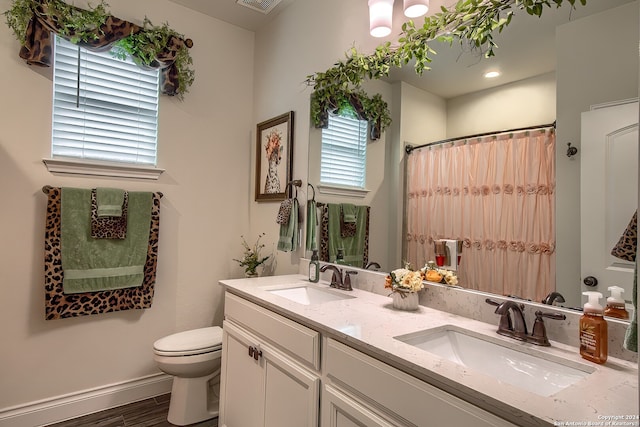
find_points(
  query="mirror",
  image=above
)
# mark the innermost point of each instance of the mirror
(591, 51)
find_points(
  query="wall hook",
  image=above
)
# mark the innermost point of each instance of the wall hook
(571, 151)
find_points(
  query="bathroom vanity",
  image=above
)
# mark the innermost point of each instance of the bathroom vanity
(302, 354)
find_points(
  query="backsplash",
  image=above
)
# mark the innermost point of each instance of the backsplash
(471, 304)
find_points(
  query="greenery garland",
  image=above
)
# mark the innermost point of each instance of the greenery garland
(473, 21)
(79, 25)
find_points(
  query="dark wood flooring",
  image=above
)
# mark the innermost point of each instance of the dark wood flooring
(146, 413)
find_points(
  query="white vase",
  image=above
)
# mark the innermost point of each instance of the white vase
(405, 300)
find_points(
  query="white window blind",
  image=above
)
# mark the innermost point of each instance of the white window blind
(344, 152)
(109, 113)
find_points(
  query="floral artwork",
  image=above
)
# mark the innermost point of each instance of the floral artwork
(274, 157)
(273, 150)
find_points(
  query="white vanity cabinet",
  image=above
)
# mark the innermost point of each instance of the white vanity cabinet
(269, 373)
(362, 391)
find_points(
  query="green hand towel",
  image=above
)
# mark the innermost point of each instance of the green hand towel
(354, 245)
(349, 212)
(312, 226)
(631, 335)
(91, 265)
(288, 239)
(109, 201)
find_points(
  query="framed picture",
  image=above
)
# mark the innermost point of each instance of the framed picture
(274, 158)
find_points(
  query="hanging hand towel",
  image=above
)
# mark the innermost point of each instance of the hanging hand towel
(91, 265)
(626, 247)
(288, 239)
(312, 226)
(284, 212)
(348, 218)
(631, 335)
(108, 227)
(354, 246)
(109, 201)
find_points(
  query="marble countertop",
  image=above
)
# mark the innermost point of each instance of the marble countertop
(369, 322)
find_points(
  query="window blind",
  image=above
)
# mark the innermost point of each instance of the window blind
(344, 152)
(108, 113)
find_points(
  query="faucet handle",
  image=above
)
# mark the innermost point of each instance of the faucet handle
(505, 320)
(539, 333)
(347, 279)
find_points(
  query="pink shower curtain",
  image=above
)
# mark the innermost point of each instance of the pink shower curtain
(496, 194)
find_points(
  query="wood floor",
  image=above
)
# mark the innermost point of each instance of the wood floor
(146, 413)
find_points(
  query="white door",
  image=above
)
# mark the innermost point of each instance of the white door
(609, 192)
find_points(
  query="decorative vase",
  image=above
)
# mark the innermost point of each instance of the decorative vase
(405, 300)
(250, 274)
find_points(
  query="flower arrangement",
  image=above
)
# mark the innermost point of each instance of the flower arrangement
(252, 259)
(439, 275)
(403, 280)
(273, 143)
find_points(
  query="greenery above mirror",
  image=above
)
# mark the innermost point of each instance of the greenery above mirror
(469, 21)
(149, 45)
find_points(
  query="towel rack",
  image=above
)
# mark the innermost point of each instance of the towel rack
(313, 198)
(47, 188)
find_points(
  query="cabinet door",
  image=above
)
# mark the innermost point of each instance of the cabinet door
(338, 410)
(291, 392)
(241, 382)
(271, 391)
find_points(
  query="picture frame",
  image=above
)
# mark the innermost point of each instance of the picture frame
(274, 158)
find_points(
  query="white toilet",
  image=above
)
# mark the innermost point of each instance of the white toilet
(193, 358)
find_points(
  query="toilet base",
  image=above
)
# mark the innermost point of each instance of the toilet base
(190, 399)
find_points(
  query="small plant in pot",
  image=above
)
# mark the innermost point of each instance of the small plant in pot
(252, 259)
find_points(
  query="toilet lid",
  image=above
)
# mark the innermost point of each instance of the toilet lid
(195, 341)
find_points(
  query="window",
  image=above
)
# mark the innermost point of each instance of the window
(344, 152)
(108, 113)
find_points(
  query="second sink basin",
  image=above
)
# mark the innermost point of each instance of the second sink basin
(307, 295)
(532, 372)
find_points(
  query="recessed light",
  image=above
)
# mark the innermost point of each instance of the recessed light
(491, 74)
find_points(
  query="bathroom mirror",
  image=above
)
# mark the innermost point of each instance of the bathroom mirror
(527, 50)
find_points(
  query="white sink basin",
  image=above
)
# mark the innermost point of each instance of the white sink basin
(307, 295)
(533, 372)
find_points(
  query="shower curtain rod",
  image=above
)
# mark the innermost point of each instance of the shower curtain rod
(409, 148)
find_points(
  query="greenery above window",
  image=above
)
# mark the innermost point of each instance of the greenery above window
(148, 45)
(469, 21)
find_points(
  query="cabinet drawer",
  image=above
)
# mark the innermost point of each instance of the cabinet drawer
(294, 339)
(400, 394)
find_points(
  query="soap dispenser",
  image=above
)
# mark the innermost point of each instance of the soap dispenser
(314, 267)
(593, 330)
(615, 304)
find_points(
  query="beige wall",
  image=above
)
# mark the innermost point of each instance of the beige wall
(307, 37)
(205, 146)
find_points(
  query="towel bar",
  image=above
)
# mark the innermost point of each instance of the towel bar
(47, 188)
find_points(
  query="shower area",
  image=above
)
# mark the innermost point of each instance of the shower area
(495, 194)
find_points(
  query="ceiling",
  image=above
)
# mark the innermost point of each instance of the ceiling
(525, 49)
(233, 13)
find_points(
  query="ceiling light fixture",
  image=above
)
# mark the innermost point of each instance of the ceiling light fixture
(491, 74)
(380, 17)
(415, 8)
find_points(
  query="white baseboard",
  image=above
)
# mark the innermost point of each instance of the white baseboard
(85, 402)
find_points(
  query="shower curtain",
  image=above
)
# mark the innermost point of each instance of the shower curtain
(496, 194)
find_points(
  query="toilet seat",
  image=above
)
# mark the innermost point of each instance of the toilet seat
(188, 343)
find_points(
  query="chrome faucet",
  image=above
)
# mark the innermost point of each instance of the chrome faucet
(336, 279)
(519, 328)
